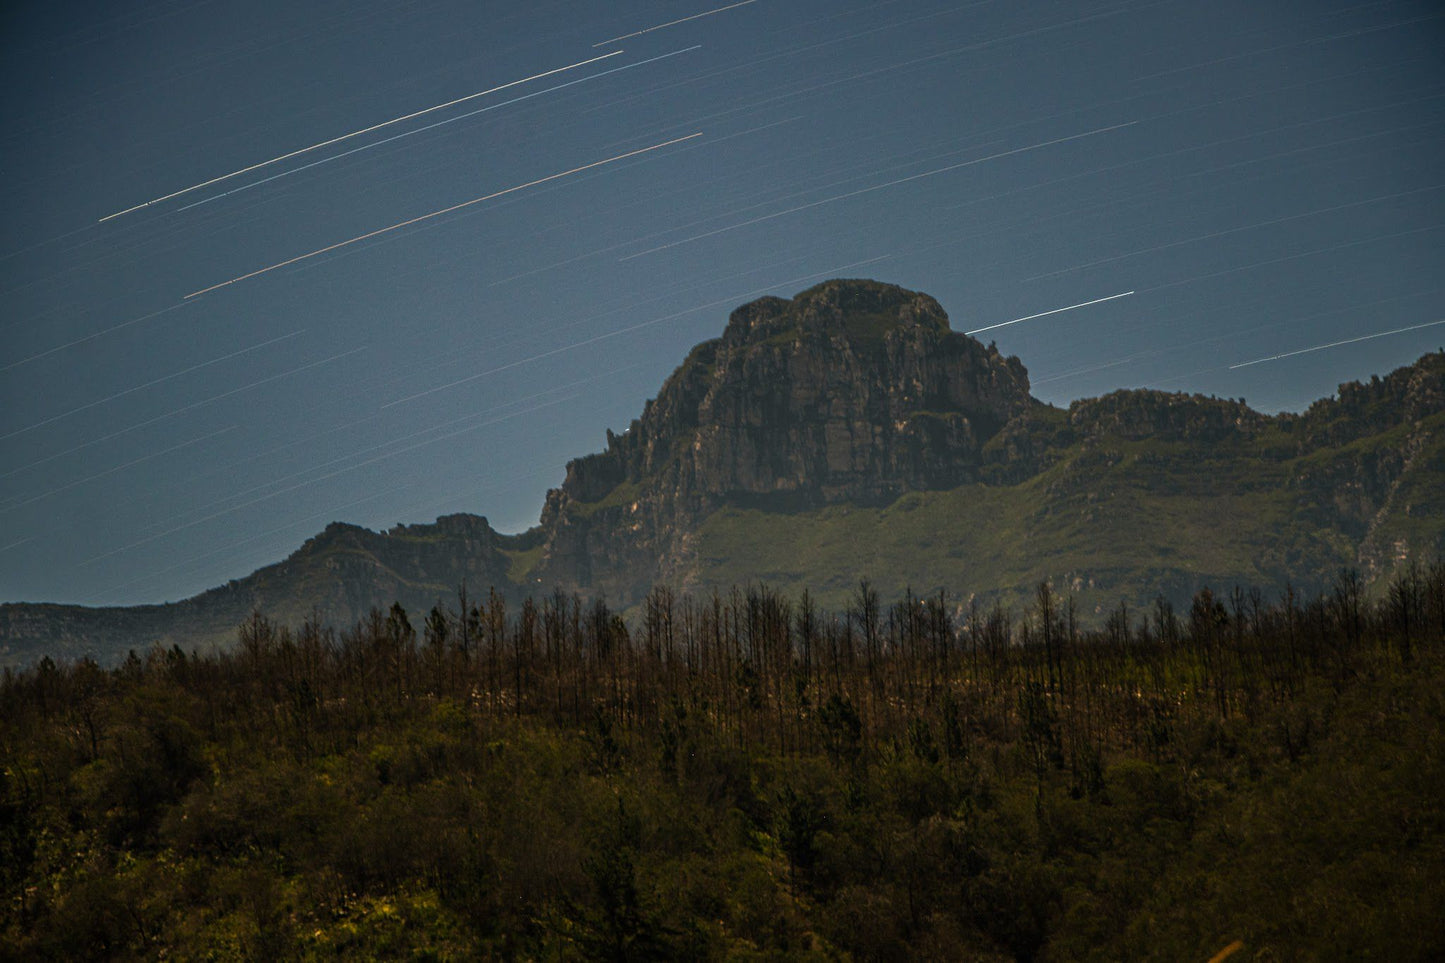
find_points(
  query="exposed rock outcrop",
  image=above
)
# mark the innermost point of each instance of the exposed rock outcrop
(853, 391)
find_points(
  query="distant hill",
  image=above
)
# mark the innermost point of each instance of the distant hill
(849, 433)
(338, 576)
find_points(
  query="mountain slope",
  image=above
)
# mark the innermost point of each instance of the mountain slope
(338, 575)
(1123, 519)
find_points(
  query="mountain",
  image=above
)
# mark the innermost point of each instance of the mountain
(852, 393)
(338, 575)
(848, 433)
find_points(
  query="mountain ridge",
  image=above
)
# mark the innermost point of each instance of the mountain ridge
(849, 432)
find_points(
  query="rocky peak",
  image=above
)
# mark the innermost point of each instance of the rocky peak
(861, 313)
(1165, 416)
(851, 391)
(1403, 397)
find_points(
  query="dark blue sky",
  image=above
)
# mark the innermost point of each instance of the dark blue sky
(1265, 177)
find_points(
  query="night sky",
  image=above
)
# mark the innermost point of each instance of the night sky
(1265, 177)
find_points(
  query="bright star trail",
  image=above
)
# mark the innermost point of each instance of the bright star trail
(440, 123)
(1045, 314)
(434, 251)
(446, 210)
(355, 133)
(673, 23)
(1336, 344)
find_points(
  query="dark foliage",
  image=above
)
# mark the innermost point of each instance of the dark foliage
(745, 776)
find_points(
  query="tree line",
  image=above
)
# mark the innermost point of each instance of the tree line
(909, 776)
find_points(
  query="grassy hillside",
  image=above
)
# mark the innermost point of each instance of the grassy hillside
(1110, 519)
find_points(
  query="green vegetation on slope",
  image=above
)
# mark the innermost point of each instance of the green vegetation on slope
(624, 494)
(521, 563)
(1113, 519)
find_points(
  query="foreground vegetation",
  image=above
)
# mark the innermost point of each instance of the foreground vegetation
(745, 776)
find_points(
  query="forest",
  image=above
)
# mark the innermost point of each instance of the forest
(746, 776)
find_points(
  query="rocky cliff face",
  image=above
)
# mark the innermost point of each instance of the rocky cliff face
(853, 391)
(1383, 484)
